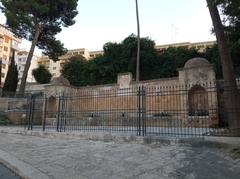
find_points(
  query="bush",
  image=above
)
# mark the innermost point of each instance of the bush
(42, 75)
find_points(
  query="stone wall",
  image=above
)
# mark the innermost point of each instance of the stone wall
(14, 109)
(190, 99)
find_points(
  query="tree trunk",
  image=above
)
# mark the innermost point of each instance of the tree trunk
(231, 93)
(1, 74)
(138, 46)
(28, 62)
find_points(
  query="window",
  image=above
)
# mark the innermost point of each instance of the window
(5, 57)
(24, 59)
(3, 75)
(54, 68)
(3, 66)
(1, 40)
(5, 49)
(6, 40)
(54, 74)
(0, 49)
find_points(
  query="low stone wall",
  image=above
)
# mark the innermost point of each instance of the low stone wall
(14, 109)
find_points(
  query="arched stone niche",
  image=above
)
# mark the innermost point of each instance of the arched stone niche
(198, 101)
(52, 107)
(196, 71)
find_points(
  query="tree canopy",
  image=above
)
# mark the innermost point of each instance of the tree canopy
(42, 75)
(39, 21)
(76, 71)
(121, 58)
(231, 12)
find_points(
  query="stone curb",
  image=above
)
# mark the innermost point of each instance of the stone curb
(106, 137)
(22, 169)
(207, 141)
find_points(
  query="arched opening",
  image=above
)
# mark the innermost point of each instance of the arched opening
(198, 101)
(52, 107)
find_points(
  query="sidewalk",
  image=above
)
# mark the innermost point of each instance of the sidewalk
(120, 137)
(71, 156)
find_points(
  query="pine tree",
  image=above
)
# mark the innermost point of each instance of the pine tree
(10, 85)
(39, 21)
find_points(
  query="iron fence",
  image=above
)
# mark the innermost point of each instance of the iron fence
(186, 110)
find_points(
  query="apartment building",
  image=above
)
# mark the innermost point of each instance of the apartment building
(200, 46)
(8, 43)
(21, 58)
(56, 67)
(94, 54)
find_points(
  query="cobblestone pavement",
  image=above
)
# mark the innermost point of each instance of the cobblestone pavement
(79, 159)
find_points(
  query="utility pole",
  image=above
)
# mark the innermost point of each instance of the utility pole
(138, 45)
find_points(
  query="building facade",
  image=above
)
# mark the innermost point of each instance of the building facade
(200, 46)
(8, 43)
(21, 58)
(56, 67)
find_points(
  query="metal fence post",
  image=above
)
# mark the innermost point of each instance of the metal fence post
(62, 113)
(143, 110)
(59, 113)
(139, 111)
(29, 111)
(33, 110)
(44, 112)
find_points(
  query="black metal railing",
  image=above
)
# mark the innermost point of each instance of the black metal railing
(191, 110)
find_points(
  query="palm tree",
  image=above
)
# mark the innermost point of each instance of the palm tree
(138, 46)
(231, 94)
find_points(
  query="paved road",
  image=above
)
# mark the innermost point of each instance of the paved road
(5, 173)
(79, 159)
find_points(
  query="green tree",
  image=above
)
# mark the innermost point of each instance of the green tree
(11, 80)
(174, 58)
(76, 71)
(212, 55)
(121, 58)
(231, 93)
(42, 75)
(39, 21)
(231, 14)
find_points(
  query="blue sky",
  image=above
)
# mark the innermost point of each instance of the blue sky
(164, 21)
